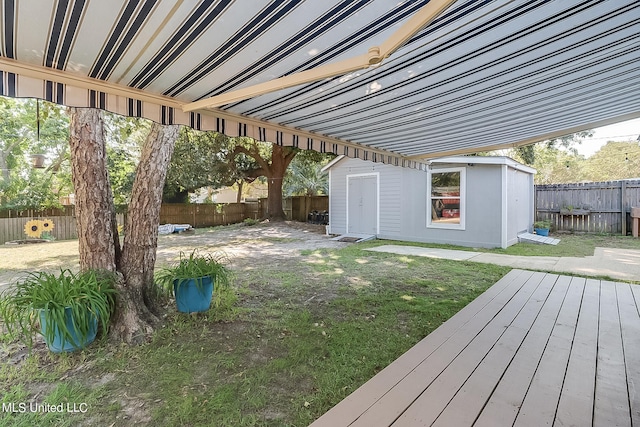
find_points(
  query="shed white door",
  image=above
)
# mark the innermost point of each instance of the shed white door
(518, 208)
(362, 204)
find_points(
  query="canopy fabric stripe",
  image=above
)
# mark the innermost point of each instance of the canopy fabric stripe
(483, 74)
(17, 86)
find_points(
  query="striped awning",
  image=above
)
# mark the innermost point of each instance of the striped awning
(480, 75)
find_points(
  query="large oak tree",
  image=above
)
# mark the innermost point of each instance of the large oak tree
(272, 163)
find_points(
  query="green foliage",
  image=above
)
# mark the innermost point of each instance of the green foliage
(87, 294)
(528, 154)
(554, 165)
(543, 224)
(615, 160)
(201, 159)
(21, 186)
(194, 266)
(33, 190)
(125, 137)
(305, 177)
(557, 161)
(250, 221)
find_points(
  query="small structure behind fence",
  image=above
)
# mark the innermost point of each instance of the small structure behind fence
(297, 208)
(198, 215)
(598, 207)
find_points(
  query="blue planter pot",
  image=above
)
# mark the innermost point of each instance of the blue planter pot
(60, 345)
(542, 231)
(192, 297)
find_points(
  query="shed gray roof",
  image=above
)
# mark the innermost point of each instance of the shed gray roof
(461, 160)
(483, 160)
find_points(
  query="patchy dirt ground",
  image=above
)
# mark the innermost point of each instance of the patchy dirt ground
(250, 250)
(246, 247)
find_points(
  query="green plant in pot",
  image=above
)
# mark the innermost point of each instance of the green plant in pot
(193, 279)
(66, 308)
(542, 227)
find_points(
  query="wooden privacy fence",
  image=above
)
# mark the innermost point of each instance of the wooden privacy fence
(12, 228)
(33, 213)
(198, 215)
(12, 223)
(207, 215)
(600, 207)
(297, 208)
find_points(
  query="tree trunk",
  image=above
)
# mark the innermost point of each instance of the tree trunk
(274, 199)
(95, 212)
(134, 317)
(97, 227)
(4, 167)
(239, 195)
(280, 159)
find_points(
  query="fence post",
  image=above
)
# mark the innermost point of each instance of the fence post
(623, 208)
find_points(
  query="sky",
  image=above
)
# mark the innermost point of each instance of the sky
(624, 131)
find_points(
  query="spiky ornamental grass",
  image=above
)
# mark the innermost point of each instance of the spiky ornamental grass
(89, 294)
(194, 266)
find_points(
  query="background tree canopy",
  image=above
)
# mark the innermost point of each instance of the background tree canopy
(30, 128)
(305, 177)
(204, 159)
(558, 161)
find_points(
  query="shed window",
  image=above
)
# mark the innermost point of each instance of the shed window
(446, 198)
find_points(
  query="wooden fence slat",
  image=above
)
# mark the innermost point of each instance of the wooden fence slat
(607, 202)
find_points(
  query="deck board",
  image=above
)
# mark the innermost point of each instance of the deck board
(541, 401)
(630, 324)
(469, 401)
(534, 349)
(503, 405)
(399, 398)
(612, 398)
(435, 398)
(575, 406)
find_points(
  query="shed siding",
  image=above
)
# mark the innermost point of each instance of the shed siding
(483, 202)
(388, 207)
(390, 197)
(519, 204)
(403, 203)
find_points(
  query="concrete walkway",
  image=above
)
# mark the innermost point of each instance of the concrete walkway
(623, 264)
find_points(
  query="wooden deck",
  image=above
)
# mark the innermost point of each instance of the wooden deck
(535, 349)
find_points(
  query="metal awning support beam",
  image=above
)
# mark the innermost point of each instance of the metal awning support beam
(315, 74)
(375, 55)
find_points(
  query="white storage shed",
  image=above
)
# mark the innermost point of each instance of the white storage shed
(467, 201)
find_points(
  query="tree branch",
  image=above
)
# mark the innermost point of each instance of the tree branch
(289, 156)
(254, 154)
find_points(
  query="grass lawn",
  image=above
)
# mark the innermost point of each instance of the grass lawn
(290, 340)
